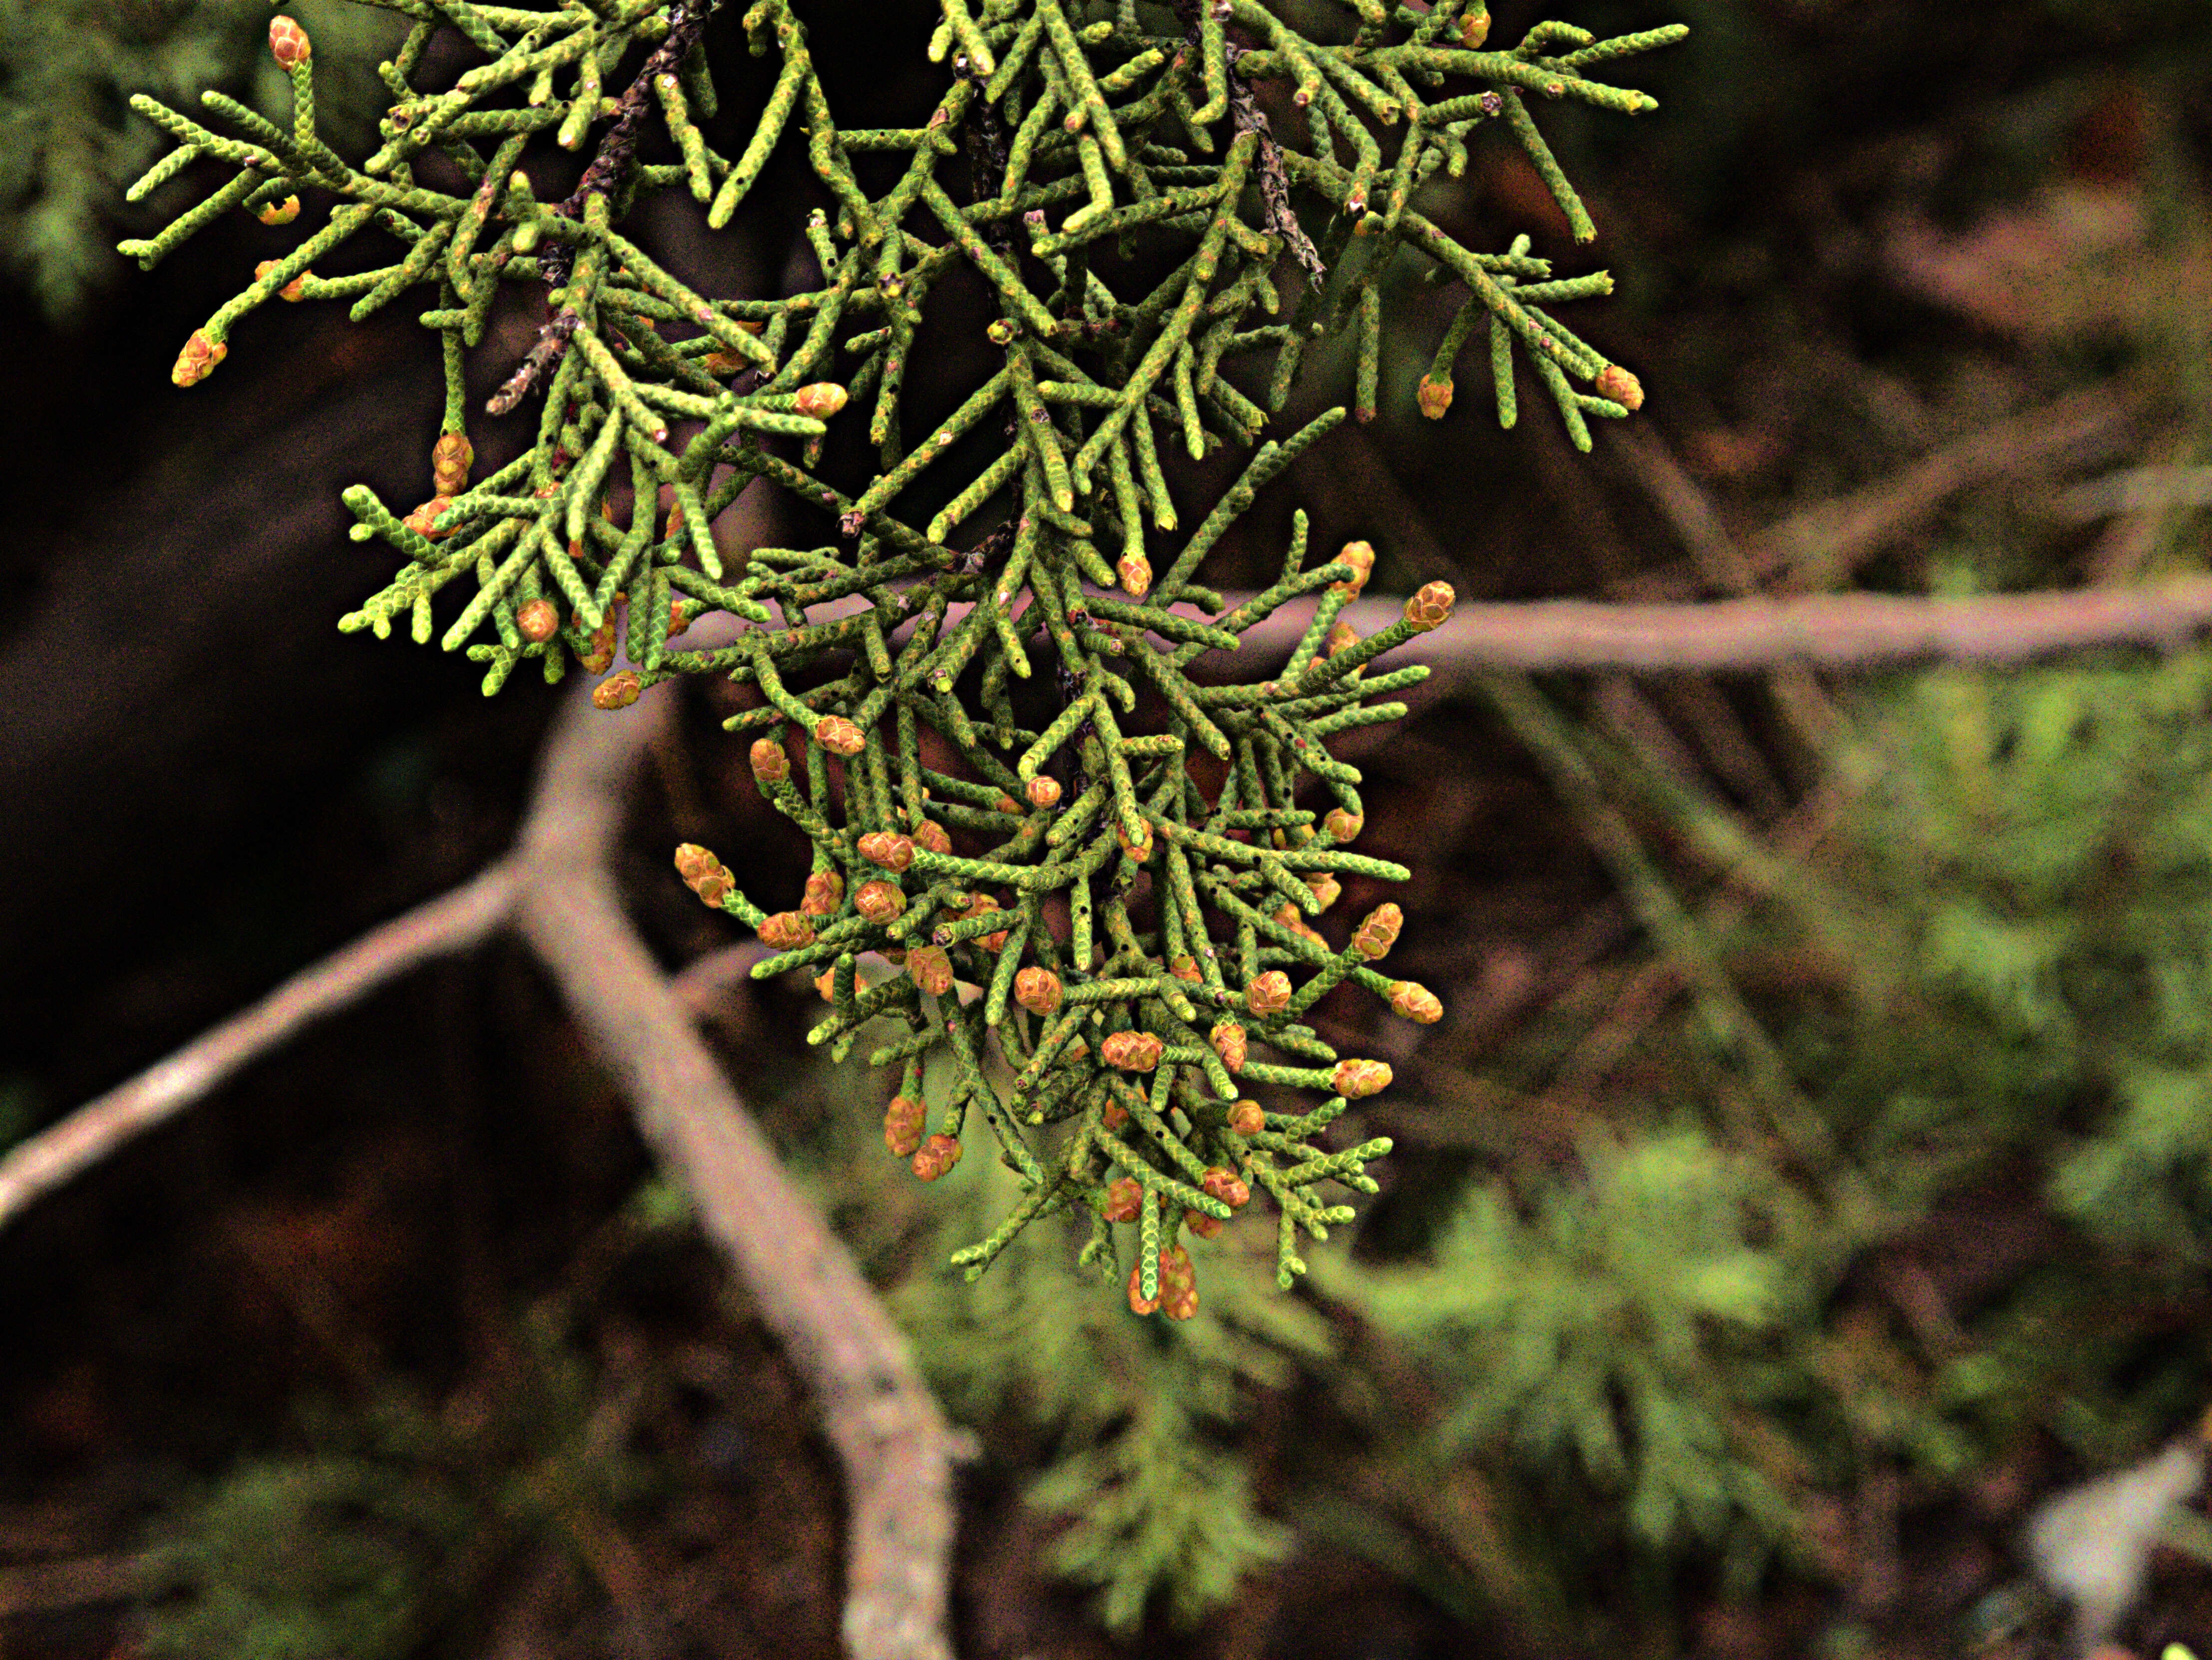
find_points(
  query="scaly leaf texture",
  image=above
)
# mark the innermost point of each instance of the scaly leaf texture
(1000, 753)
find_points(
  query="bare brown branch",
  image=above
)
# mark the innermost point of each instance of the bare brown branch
(451, 923)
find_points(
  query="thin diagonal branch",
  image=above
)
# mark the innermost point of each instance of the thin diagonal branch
(453, 922)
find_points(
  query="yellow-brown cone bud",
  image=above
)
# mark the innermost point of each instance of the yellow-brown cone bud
(785, 931)
(617, 692)
(981, 904)
(1410, 1000)
(704, 874)
(1432, 607)
(1360, 556)
(1039, 991)
(1435, 397)
(602, 653)
(1622, 387)
(288, 42)
(1247, 1118)
(451, 458)
(1139, 850)
(537, 621)
(930, 968)
(939, 1154)
(1326, 888)
(1115, 1115)
(1043, 793)
(1125, 1200)
(819, 401)
(879, 902)
(291, 291)
(1270, 992)
(1178, 1284)
(1224, 1184)
(1343, 823)
(1131, 1051)
(902, 1122)
(825, 985)
(771, 765)
(1202, 1225)
(1228, 1041)
(1185, 967)
(424, 521)
(1356, 1079)
(930, 835)
(1139, 1303)
(1342, 637)
(839, 736)
(1375, 936)
(198, 360)
(1474, 30)
(1136, 574)
(888, 848)
(825, 891)
(722, 364)
(280, 213)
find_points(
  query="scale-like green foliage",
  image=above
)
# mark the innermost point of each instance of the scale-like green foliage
(1139, 882)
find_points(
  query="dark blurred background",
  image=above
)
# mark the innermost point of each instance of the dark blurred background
(1898, 278)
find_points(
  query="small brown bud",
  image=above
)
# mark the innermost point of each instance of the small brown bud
(1270, 992)
(1139, 1303)
(423, 521)
(1342, 637)
(1432, 607)
(1326, 888)
(1203, 1226)
(1043, 793)
(1136, 574)
(930, 968)
(1228, 1041)
(1435, 397)
(677, 622)
(1131, 1051)
(888, 848)
(1184, 966)
(280, 213)
(451, 458)
(198, 360)
(1139, 851)
(704, 874)
(1375, 935)
(939, 1154)
(1618, 385)
(819, 401)
(1475, 29)
(1115, 1115)
(617, 692)
(1247, 1118)
(1006, 804)
(879, 901)
(785, 931)
(1356, 1079)
(1224, 1184)
(839, 736)
(537, 621)
(981, 904)
(1038, 990)
(931, 834)
(1343, 823)
(291, 290)
(825, 985)
(1410, 1000)
(771, 765)
(602, 652)
(1178, 1284)
(722, 364)
(826, 890)
(1360, 556)
(288, 42)
(1125, 1200)
(902, 1122)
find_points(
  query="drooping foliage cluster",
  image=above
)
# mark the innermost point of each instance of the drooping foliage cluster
(1086, 861)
